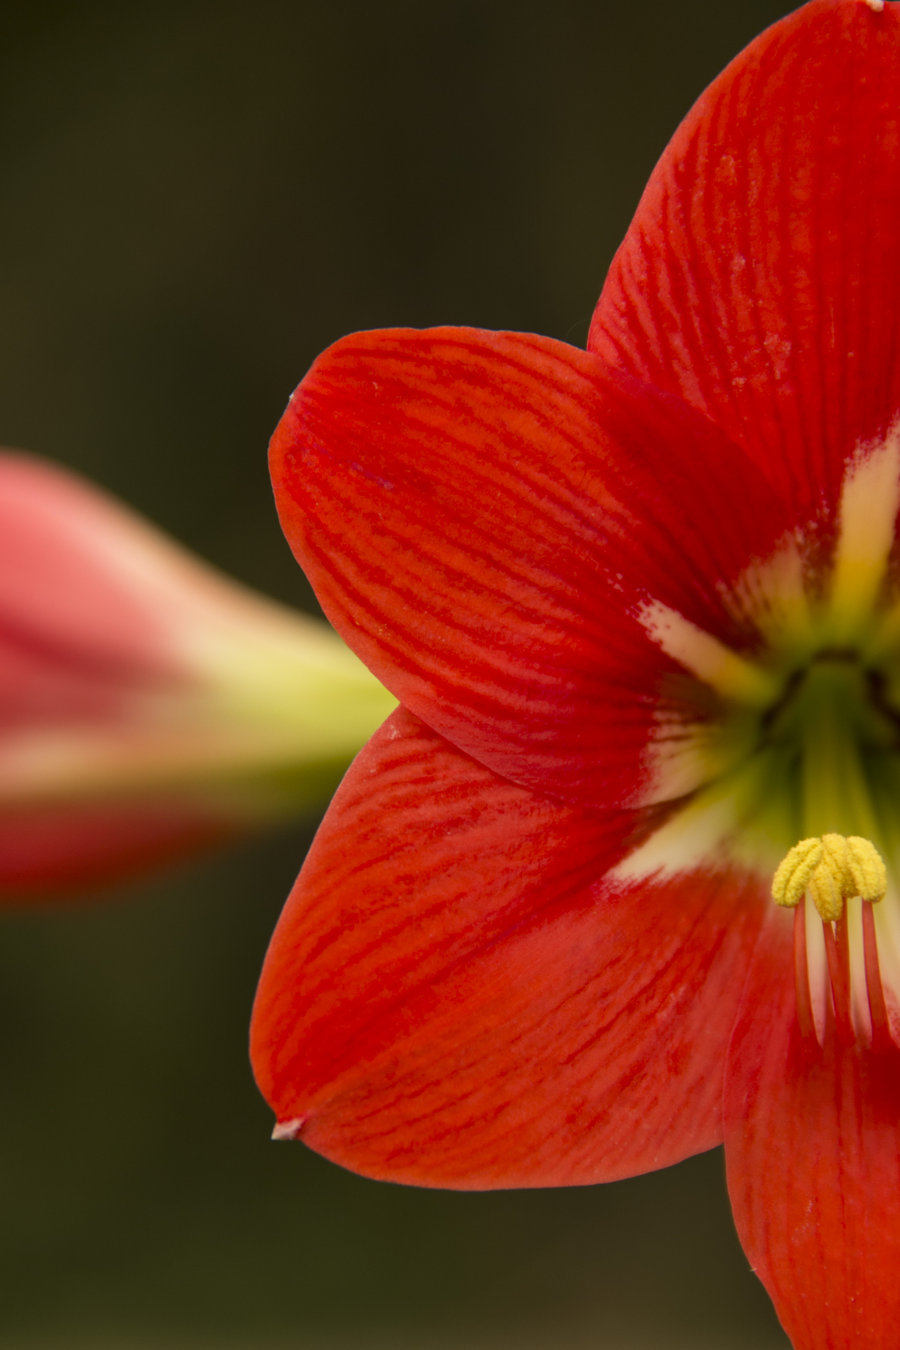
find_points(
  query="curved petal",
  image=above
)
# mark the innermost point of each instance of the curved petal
(760, 278)
(812, 1144)
(456, 995)
(488, 518)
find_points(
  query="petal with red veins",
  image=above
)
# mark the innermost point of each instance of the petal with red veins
(760, 278)
(458, 995)
(486, 517)
(812, 1144)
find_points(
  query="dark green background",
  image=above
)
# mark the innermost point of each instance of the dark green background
(194, 200)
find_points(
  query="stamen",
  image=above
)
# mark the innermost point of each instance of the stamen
(826, 885)
(878, 1014)
(794, 871)
(837, 954)
(830, 870)
(801, 976)
(868, 874)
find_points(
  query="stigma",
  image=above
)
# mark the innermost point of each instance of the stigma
(832, 883)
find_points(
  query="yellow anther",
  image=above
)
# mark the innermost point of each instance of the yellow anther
(826, 887)
(868, 873)
(830, 870)
(794, 871)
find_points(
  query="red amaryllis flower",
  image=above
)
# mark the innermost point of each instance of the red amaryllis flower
(148, 706)
(641, 607)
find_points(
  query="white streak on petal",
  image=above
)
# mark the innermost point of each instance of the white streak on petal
(773, 595)
(722, 669)
(722, 826)
(681, 758)
(694, 837)
(866, 531)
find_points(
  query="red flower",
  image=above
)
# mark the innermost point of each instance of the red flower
(148, 706)
(641, 606)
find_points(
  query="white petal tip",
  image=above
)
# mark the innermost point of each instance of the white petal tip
(877, 5)
(289, 1129)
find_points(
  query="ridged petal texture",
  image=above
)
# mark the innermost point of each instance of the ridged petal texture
(456, 994)
(484, 516)
(760, 278)
(812, 1143)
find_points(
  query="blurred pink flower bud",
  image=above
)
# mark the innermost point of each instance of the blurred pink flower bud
(148, 706)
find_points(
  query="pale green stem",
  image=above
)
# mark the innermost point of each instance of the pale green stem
(836, 792)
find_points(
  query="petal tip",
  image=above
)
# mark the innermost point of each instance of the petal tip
(289, 1129)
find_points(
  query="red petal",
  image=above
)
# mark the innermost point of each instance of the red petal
(760, 278)
(457, 996)
(483, 516)
(812, 1142)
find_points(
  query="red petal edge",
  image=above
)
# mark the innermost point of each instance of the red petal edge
(483, 516)
(760, 278)
(456, 995)
(812, 1145)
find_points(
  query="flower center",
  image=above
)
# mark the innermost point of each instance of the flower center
(821, 755)
(797, 736)
(831, 740)
(805, 736)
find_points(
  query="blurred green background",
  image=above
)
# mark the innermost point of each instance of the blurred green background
(195, 200)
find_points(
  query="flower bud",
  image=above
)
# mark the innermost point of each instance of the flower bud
(148, 705)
